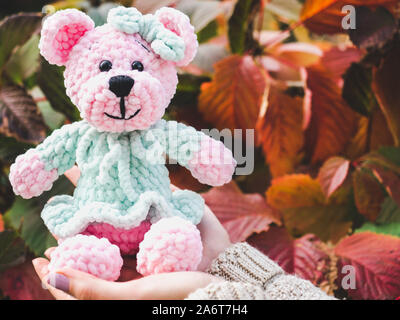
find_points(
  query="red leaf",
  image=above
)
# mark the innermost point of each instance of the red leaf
(240, 214)
(22, 283)
(376, 261)
(234, 97)
(306, 257)
(332, 174)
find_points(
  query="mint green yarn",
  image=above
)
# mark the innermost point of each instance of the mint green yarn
(163, 41)
(118, 185)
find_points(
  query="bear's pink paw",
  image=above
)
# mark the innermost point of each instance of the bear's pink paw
(88, 254)
(213, 164)
(171, 244)
(28, 176)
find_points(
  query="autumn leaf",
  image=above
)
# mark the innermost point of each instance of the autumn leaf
(376, 262)
(357, 89)
(390, 213)
(280, 131)
(332, 174)
(22, 283)
(337, 60)
(325, 16)
(20, 116)
(305, 209)
(306, 257)
(373, 27)
(385, 86)
(368, 193)
(240, 214)
(332, 122)
(234, 97)
(12, 249)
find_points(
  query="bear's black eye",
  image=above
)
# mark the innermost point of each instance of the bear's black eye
(105, 65)
(137, 65)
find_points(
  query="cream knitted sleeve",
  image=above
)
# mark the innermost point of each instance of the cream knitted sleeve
(249, 274)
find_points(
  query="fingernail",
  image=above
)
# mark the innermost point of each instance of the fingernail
(58, 281)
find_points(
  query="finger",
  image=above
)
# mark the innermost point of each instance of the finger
(48, 252)
(167, 286)
(84, 286)
(40, 266)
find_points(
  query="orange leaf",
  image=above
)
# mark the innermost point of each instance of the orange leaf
(325, 16)
(332, 122)
(376, 262)
(1, 223)
(305, 209)
(233, 98)
(240, 214)
(332, 174)
(280, 132)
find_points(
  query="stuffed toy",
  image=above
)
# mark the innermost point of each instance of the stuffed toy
(122, 76)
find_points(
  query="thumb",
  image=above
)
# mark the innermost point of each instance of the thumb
(84, 286)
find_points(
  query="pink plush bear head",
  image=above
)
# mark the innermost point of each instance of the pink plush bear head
(121, 75)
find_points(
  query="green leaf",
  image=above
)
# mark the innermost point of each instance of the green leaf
(12, 249)
(20, 116)
(390, 212)
(208, 32)
(10, 148)
(6, 192)
(188, 89)
(25, 216)
(386, 157)
(240, 25)
(388, 228)
(15, 30)
(357, 89)
(24, 62)
(51, 81)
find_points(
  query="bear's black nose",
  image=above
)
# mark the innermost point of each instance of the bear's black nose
(121, 85)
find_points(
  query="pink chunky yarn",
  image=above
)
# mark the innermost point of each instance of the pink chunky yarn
(213, 164)
(127, 240)
(172, 244)
(29, 177)
(88, 254)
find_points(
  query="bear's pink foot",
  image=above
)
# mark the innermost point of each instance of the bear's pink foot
(171, 244)
(88, 254)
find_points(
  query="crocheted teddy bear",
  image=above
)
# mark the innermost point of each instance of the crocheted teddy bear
(122, 76)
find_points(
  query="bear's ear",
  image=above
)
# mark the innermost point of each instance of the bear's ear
(60, 33)
(179, 23)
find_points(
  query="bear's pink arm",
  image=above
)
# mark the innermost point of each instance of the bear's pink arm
(208, 160)
(35, 171)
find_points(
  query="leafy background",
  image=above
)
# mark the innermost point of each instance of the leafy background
(324, 103)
